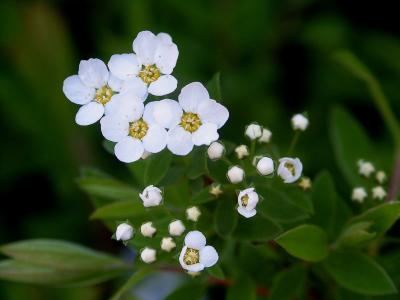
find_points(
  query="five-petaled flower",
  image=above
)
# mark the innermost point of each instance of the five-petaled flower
(247, 202)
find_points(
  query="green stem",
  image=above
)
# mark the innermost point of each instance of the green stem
(294, 142)
(252, 148)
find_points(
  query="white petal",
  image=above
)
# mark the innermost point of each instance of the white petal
(124, 66)
(145, 45)
(89, 113)
(192, 95)
(208, 256)
(195, 239)
(155, 139)
(128, 149)
(213, 112)
(76, 91)
(93, 72)
(253, 200)
(113, 128)
(115, 83)
(205, 135)
(191, 268)
(126, 105)
(246, 213)
(179, 141)
(166, 57)
(135, 85)
(164, 85)
(166, 113)
(164, 38)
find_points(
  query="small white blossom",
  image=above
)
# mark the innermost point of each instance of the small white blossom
(381, 176)
(148, 255)
(176, 228)
(147, 229)
(235, 174)
(290, 169)
(358, 194)
(247, 201)
(253, 131)
(299, 122)
(365, 168)
(151, 196)
(265, 136)
(193, 213)
(216, 190)
(124, 232)
(378, 192)
(167, 244)
(242, 151)
(215, 150)
(265, 166)
(195, 255)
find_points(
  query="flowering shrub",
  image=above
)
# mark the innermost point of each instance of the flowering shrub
(239, 215)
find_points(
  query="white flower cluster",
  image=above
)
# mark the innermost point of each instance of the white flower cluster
(116, 96)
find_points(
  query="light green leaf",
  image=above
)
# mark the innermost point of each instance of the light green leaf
(225, 217)
(356, 235)
(359, 273)
(242, 288)
(108, 188)
(296, 275)
(257, 228)
(307, 242)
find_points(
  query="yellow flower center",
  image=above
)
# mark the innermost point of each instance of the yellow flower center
(290, 168)
(103, 94)
(245, 200)
(138, 129)
(190, 121)
(149, 73)
(191, 256)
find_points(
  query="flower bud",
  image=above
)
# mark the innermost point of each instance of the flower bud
(167, 244)
(253, 131)
(358, 194)
(304, 183)
(242, 151)
(176, 228)
(216, 190)
(265, 136)
(193, 213)
(147, 229)
(299, 122)
(365, 168)
(378, 193)
(265, 166)
(148, 255)
(151, 196)
(235, 174)
(380, 176)
(124, 232)
(290, 169)
(215, 150)
(247, 201)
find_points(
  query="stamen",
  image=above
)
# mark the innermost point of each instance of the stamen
(191, 256)
(190, 122)
(245, 200)
(290, 168)
(149, 73)
(138, 129)
(103, 94)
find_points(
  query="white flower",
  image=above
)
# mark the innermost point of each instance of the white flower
(93, 88)
(253, 131)
(265, 166)
(124, 232)
(299, 122)
(127, 125)
(147, 229)
(242, 151)
(194, 120)
(151, 196)
(215, 150)
(378, 192)
(359, 194)
(365, 168)
(167, 244)
(290, 169)
(216, 190)
(150, 67)
(265, 136)
(148, 255)
(176, 228)
(381, 176)
(195, 255)
(235, 174)
(247, 201)
(193, 213)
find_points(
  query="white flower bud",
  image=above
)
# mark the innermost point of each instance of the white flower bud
(265, 166)
(290, 169)
(215, 150)
(176, 228)
(358, 194)
(265, 136)
(253, 131)
(167, 244)
(247, 201)
(235, 174)
(193, 213)
(242, 151)
(147, 229)
(124, 232)
(381, 176)
(151, 196)
(216, 190)
(378, 193)
(304, 183)
(365, 168)
(299, 122)
(148, 255)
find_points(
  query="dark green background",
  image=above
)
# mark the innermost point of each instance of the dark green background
(275, 59)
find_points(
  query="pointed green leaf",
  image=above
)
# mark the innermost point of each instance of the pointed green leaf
(242, 288)
(257, 228)
(296, 275)
(225, 217)
(214, 87)
(108, 188)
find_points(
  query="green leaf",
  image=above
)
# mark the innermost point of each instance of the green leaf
(131, 282)
(203, 196)
(356, 235)
(109, 146)
(242, 288)
(192, 291)
(353, 64)
(225, 217)
(257, 228)
(359, 273)
(296, 275)
(214, 87)
(307, 242)
(157, 166)
(216, 272)
(108, 188)
(198, 164)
